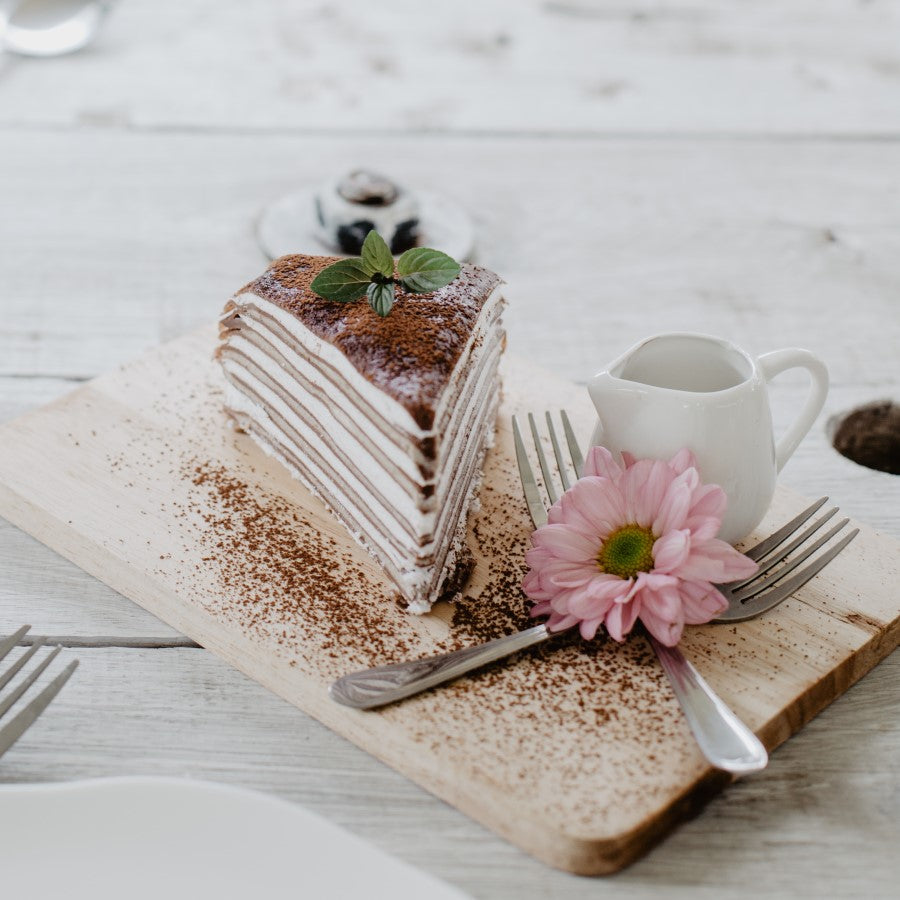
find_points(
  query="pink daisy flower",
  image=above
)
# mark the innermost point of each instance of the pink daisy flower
(636, 541)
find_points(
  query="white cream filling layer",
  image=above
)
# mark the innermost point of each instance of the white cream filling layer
(399, 509)
(383, 405)
(417, 579)
(285, 366)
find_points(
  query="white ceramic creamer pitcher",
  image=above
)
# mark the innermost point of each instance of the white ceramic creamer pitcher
(693, 390)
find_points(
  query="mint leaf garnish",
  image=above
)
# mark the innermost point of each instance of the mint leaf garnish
(381, 297)
(376, 255)
(345, 281)
(423, 269)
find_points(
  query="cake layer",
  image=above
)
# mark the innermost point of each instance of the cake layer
(410, 355)
(387, 421)
(367, 477)
(324, 369)
(412, 503)
(421, 579)
(390, 510)
(336, 402)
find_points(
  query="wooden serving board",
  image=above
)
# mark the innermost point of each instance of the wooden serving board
(576, 752)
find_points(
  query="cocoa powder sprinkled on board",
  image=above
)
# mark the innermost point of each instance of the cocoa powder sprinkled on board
(276, 569)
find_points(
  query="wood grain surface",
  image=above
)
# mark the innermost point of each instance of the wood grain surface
(577, 753)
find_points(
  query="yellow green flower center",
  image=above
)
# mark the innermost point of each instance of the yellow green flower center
(627, 551)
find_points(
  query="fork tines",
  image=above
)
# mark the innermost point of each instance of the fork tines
(768, 587)
(780, 556)
(530, 485)
(13, 729)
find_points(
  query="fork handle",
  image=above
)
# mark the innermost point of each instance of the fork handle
(385, 684)
(724, 739)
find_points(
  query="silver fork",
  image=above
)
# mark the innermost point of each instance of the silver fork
(724, 739)
(765, 588)
(12, 730)
(375, 687)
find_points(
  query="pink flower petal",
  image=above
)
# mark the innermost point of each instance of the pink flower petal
(566, 512)
(682, 461)
(654, 491)
(717, 562)
(671, 550)
(531, 585)
(600, 462)
(588, 628)
(654, 581)
(646, 483)
(621, 618)
(565, 542)
(701, 602)
(673, 509)
(540, 609)
(664, 602)
(633, 484)
(563, 573)
(595, 599)
(538, 556)
(665, 631)
(736, 565)
(703, 528)
(558, 622)
(709, 500)
(662, 613)
(561, 600)
(598, 502)
(604, 585)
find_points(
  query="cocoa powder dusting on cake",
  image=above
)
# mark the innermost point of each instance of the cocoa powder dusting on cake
(409, 354)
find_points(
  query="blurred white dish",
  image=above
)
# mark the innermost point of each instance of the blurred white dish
(51, 27)
(289, 226)
(172, 838)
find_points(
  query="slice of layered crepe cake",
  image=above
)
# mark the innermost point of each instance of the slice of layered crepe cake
(386, 419)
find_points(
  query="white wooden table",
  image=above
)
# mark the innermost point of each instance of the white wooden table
(632, 167)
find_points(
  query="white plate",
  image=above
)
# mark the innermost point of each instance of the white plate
(165, 838)
(289, 226)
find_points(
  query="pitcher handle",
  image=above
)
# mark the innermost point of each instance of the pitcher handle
(775, 363)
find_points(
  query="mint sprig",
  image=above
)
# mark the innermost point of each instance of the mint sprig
(422, 269)
(381, 297)
(345, 281)
(372, 274)
(376, 255)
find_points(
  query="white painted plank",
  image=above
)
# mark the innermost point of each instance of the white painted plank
(820, 821)
(605, 240)
(580, 66)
